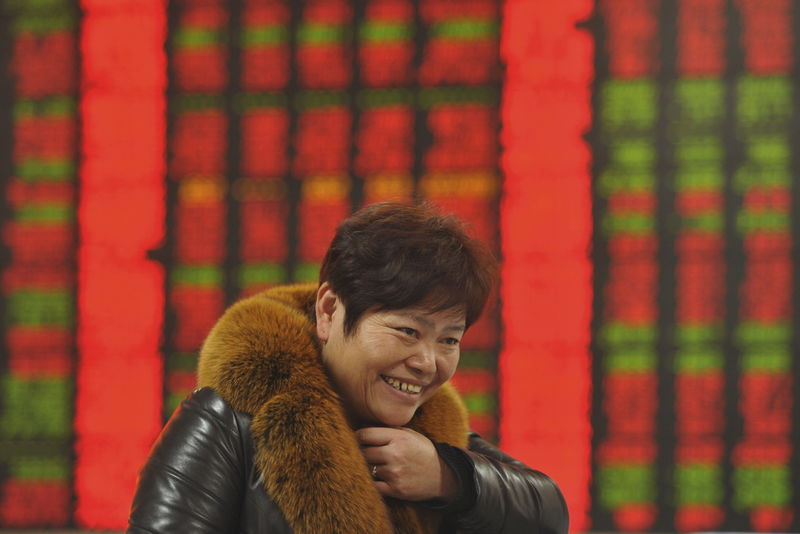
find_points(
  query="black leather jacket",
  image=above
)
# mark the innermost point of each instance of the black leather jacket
(201, 478)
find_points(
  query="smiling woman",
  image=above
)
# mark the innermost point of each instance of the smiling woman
(392, 363)
(327, 409)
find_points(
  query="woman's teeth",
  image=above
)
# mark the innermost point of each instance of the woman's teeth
(402, 386)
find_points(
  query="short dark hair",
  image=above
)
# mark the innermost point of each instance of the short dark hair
(390, 256)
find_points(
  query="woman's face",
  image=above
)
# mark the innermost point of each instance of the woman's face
(392, 363)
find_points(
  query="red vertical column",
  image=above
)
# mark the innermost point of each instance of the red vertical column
(458, 75)
(696, 131)
(322, 138)
(763, 488)
(264, 121)
(385, 136)
(627, 268)
(120, 298)
(198, 186)
(38, 181)
(546, 228)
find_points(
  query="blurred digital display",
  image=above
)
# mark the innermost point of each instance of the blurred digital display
(37, 236)
(694, 268)
(286, 117)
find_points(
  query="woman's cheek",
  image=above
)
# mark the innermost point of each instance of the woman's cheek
(449, 366)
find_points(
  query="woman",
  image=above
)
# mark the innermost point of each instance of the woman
(326, 409)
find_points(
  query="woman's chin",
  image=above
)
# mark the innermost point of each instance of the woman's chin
(395, 418)
(390, 407)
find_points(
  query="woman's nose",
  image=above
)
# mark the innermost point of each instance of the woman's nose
(423, 361)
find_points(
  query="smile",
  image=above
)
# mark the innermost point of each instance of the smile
(401, 386)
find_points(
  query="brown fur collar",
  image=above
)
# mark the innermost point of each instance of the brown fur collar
(263, 357)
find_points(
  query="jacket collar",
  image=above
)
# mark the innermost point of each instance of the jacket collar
(263, 357)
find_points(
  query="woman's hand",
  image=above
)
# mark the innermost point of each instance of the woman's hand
(408, 466)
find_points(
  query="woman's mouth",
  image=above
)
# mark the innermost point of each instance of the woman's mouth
(402, 386)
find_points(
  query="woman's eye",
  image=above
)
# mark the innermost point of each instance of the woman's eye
(407, 331)
(452, 341)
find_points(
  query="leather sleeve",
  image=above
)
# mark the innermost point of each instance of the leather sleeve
(193, 480)
(511, 498)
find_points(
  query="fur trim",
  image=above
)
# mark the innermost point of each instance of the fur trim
(263, 357)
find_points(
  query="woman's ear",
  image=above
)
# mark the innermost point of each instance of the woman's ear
(324, 307)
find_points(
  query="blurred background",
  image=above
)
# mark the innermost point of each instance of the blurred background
(631, 162)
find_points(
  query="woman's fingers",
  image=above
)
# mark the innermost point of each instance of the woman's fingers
(404, 463)
(374, 455)
(376, 435)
